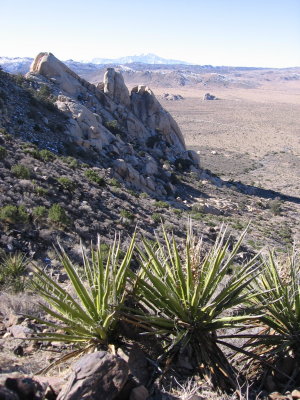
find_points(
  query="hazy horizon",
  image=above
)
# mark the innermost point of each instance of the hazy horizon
(160, 56)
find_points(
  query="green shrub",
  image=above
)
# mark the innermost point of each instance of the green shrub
(114, 182)
(133, 193)
(88, 309)
(161, 204)
(93, 176)
(71, 162)
(21, 171)
(14, 214)
(126, 214)
(177, 211)
(276, 206)
(44, 91)
(157, 218)
(46, 155)
(113, 126)
(144, 195)
(276, 298)
(40, 191)
(197, 216)
(58, 215)
(12, 270)
(67, 184)
(3, 153)
(33, 152)
(39, 212)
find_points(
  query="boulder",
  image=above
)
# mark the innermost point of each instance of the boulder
(46, 64)
(95, 376)
(20, 331)
(84, 125)
(26, 388)
(115, 87)
(6, 394)
(209, 96)
(172, 97)
(147, 108)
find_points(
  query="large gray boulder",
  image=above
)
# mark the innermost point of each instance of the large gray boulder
(96, 376)
(115, 87)
(147, 108)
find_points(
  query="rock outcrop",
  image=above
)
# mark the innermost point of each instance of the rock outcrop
(132, 132)
(97, 375)
(209, 96)
(115, 87)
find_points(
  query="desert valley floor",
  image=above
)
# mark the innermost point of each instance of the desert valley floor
(252, 135)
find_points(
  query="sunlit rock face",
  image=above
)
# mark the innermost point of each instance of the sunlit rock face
(131, 128)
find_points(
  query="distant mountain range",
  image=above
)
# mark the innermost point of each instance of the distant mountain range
(142, 58)
(21, 65)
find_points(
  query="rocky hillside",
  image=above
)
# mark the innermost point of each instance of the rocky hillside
(77, 160)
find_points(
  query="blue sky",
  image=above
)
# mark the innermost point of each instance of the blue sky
(217, 32)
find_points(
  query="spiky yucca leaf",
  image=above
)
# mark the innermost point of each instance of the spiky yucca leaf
(277, 293)
(88, 312)
(190, 298)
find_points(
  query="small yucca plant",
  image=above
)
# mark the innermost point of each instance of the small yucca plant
(276, 295)
(87, 313)
(12, 271)
(186, 299)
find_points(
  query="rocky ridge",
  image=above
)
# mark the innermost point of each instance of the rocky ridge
(132, 130)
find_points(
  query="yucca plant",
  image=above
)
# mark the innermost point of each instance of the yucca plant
(86, 314)
(186, 299)
(12, 271)
(276, 295)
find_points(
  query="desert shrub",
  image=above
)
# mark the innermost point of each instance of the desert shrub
(21, 171)
(19, 79)
(144, 195)
(67, 183)
(40, 191)
(58, 215)
(71, 162)
(44, 91)
(33, 152)
(197, 216)
(3, 153)
(126, 214)
(114, 182)
(88, 310)
(157, 218)
(113, 126)
(276, 298)
(161, 204)
(276, 206)
(39, 212)
(177, 211)
(46, 155)
(186, 299)
(93, 176)
(198, 207)
(14, 214)
(133, 193)
(12, 270)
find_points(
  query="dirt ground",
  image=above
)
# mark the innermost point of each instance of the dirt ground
(251, 135)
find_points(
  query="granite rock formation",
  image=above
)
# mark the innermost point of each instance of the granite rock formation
(133, 130)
